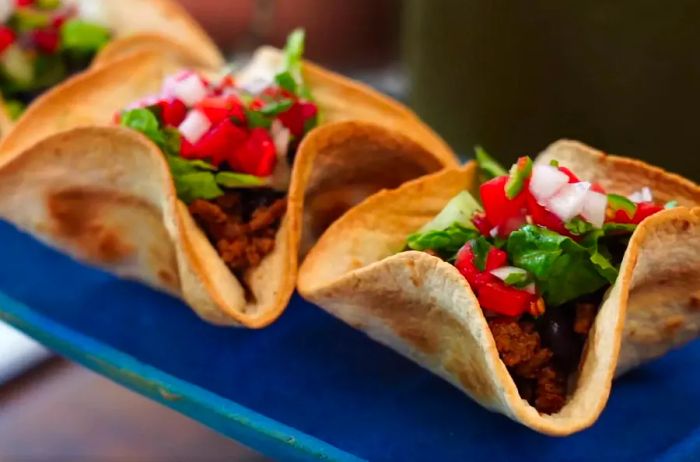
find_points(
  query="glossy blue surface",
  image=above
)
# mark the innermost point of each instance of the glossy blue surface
(311, 388)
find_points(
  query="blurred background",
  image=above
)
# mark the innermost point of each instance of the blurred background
(513, 76)
(622, 76)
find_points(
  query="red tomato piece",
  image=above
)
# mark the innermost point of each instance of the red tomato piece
(256, 156)
(507, 214)
(7, 37)
(620, 216)
(220, 142)
(482, 224)
(24, 2)
(496, 258)
(465, 264)
(597, 187)
(293, 119)
(172, 112)
(645, 209)
(572, 178)
(59, 20)
(217, 108)
(187, 150)
(505, 300)
(46, 40)
(543, 217)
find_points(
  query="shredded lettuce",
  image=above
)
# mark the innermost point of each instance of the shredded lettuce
(563, 269)
(459, 209)
(481, 248)
(82, 36)
(446, 242)
(239, 180)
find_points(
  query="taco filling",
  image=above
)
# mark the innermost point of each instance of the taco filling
(539, 250)
(230, 147)
(42, 42)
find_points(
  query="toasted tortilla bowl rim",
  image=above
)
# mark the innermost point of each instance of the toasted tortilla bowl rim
(597, 391)
(171, 201)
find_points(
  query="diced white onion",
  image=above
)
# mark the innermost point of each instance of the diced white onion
(546, 181)
(494, 231)
(503, 272)
(7, 7)
(643, 195)
(190, 90)
(280, 136)
(594, 206)
(195, 125)
(568, 201)
(91, 11)
(530, 288)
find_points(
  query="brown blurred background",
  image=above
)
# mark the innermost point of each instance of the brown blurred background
(512, 76)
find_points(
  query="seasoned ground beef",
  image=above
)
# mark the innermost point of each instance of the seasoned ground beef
(241, 224)
(541, 354)
(530, 363)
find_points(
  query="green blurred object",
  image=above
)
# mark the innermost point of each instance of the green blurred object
(622, 76)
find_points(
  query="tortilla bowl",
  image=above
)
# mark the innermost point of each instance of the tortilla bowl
(423, 308)
(104, 194)
(145, 25)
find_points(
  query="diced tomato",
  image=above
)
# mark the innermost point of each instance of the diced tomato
(219, 143)
(465, 265)
(505, 300)
(507, 214)
(24, 2)
(278, 93)
(59, 20)
(496, 258)
(187, 149)
(217, 108)
(308, 110)
(256, 156)
(7, 37)
(619, 216)
(572, 178)
(172, 111)
(645, 209)
(227, 82)
(257, 104)
(597, 187)
(46, 40)
(293, 119)
(482, 224)
(543, 217)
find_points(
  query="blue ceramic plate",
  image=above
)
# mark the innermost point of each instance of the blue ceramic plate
(310, 388)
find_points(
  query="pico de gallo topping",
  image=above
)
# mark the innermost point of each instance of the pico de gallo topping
(44, 41)
(538, 249)
(230, 146)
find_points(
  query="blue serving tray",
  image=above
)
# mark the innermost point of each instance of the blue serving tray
(311, 388)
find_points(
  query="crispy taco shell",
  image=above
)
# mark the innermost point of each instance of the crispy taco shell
(104, 194)
(423, 308)
(145, 25)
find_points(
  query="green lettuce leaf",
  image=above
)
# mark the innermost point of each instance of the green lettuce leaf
(446, 241)
(196, 185)
(563, 269)
(239, 180)
(459, 209)
(145, 121)
(481, 247)
(83, 36)
(194, 179)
